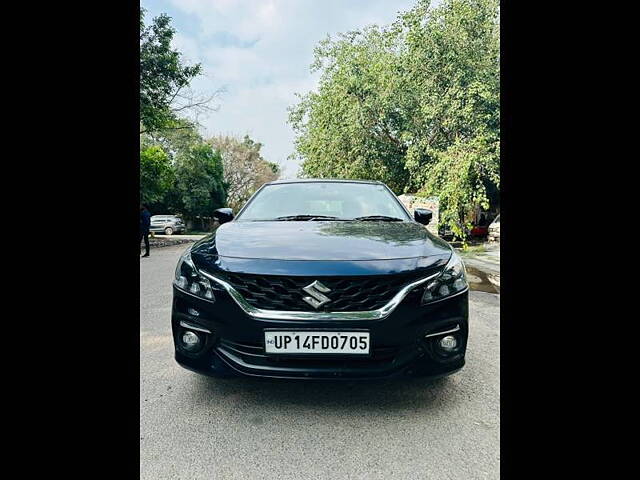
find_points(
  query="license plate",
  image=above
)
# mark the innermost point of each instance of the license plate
(352, 343)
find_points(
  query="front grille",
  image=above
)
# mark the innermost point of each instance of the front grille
(348, 294)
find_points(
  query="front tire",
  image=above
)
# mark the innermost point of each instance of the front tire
(168, 231)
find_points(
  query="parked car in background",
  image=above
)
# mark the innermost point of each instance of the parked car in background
(476, 231)
(494, 230)
(167, 224)
(479, 231)
(445, 232)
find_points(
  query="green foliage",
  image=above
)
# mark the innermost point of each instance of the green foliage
(275, 169)
(156, 174)
(459, 175)
(199, 180)
(162, 74)
(194, 185)
(181, 138)
(415, 105)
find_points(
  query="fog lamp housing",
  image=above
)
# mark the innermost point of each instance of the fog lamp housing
(191, 341)
(448, 343)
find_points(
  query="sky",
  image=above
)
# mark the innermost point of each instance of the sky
(259, 52)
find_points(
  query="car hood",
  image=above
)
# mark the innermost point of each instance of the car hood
(262, 246)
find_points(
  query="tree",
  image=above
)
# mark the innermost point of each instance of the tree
(245, 170)
(195, 186)
(178, 139)
(165, 79)
(156, 174)
(179, 173)
(415, 105)
(199, 181)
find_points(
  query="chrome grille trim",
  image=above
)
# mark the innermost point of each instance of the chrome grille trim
(378, 314)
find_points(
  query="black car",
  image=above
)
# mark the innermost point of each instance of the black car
(317, 279)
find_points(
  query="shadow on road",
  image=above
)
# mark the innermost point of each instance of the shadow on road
(346, 397)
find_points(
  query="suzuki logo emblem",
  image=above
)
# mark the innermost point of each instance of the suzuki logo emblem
(316, 290)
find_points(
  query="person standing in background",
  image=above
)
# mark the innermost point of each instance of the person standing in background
(145, 223)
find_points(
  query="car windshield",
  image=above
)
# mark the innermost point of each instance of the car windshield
(324, 201)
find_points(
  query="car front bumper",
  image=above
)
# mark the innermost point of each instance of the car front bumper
(402, 344)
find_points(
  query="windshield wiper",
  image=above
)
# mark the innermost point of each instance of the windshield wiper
(307, 217)
(382, 218)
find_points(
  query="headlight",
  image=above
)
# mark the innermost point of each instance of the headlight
(453, 279)
(189, 280)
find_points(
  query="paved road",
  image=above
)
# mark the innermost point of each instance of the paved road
(195, 427)
(179, 236)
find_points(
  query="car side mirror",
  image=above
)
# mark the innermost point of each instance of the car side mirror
(422, 215)
(223, 215)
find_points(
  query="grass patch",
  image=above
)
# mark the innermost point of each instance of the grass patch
(472, 249)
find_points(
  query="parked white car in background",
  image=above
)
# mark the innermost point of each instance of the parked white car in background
(167, 224)
(494, 230)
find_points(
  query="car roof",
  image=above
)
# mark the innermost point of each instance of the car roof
(322, 180)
